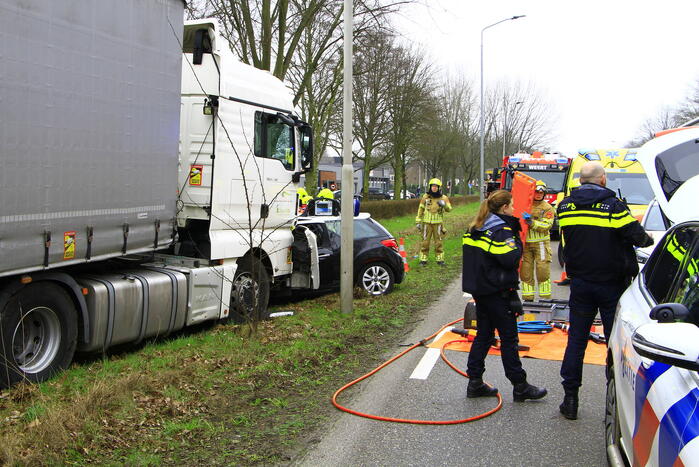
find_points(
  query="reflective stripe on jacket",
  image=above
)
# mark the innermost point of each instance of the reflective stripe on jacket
(491, 256)
(598, 234)
(429, 212)
(542, 220)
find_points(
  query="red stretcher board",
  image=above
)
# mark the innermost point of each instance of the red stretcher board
(523, 187)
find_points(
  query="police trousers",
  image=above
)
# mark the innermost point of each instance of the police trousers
(586, 299)
(430, 231)
(493, 312)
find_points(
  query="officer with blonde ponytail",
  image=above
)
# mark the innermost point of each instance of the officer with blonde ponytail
(491, 252)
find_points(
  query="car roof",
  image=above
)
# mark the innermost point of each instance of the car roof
(683, 204)
(312, 219)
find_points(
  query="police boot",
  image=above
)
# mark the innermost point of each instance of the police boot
(569, 407)
(477, 388)
(524, 391)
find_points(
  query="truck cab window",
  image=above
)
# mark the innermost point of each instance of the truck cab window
(274, 139)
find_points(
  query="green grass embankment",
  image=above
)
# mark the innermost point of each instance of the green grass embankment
(221, 395)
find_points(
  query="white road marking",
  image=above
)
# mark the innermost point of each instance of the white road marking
(427, 362)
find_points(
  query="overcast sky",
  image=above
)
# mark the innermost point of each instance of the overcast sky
(606, 66)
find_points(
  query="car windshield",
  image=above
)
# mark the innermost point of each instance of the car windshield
(553, 180)
(634, 187)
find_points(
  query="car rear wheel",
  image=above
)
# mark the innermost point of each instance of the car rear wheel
(376, 279)
(612, 430)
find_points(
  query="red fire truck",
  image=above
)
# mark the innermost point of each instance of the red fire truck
(551, 168)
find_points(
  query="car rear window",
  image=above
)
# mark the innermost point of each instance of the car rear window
(363, 228)
(366, 228)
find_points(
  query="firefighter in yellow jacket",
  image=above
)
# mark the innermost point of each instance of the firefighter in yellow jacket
(430, 220)
(536, 260)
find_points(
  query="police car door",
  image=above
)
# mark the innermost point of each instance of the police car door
(658, 402)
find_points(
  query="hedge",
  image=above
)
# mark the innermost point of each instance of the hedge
(386, 209)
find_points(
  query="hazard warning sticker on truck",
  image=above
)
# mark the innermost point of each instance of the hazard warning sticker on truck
(69, 245)
(195, 172)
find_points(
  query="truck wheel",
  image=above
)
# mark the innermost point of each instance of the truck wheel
(250, 292)
(612, 432)
(376, 279)
(39, 332)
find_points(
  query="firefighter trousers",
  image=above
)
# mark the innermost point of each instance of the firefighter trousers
(536, 264)
(430, 231)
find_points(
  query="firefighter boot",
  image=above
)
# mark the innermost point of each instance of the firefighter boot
(569, 407)
(524, 391)
(477, 388)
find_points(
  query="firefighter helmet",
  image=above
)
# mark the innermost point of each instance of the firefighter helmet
(540, 186)
(435, 181)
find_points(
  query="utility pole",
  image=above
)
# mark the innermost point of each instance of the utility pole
(347, 201)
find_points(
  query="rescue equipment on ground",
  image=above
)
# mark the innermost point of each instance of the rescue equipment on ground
(406, 420)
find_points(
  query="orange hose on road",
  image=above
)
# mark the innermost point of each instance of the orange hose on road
(407, 420)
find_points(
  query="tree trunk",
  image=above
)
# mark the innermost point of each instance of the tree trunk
(365, 180)
(398, 176)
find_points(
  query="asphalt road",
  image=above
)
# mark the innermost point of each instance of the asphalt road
(531, 433)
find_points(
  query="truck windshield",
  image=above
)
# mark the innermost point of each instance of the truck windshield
(553, 180)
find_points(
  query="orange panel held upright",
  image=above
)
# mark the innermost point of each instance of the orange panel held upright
(523, 187)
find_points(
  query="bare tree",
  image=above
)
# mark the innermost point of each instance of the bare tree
(410, 90)
(371, 88)
(668, 117)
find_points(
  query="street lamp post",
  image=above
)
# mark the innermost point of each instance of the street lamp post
(482, 175)
(504, 132)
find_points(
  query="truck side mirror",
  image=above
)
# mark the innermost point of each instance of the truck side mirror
(306, 147)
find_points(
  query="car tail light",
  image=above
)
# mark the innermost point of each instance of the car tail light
(390, 243)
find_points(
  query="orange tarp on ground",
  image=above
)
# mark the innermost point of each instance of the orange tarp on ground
(549, 346)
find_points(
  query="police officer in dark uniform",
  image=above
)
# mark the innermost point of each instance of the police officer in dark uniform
(598, 235)
(491, 252)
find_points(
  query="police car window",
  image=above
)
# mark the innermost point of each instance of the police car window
(274, 139)
(662, 273)
(654, 219)
(677, 165)
(688, 284)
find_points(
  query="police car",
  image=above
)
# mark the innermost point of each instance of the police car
(652, 406)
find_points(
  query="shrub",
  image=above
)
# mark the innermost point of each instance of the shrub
(387, 209)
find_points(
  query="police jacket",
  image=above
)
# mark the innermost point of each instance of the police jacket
(491, 256)
(598, 235)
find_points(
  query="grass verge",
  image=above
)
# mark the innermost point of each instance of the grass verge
(220, 395)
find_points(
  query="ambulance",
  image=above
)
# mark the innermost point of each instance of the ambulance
(625, 176)
(652, 399)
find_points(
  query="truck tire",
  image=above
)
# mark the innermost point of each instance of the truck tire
(39, 331)
(250, 277)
